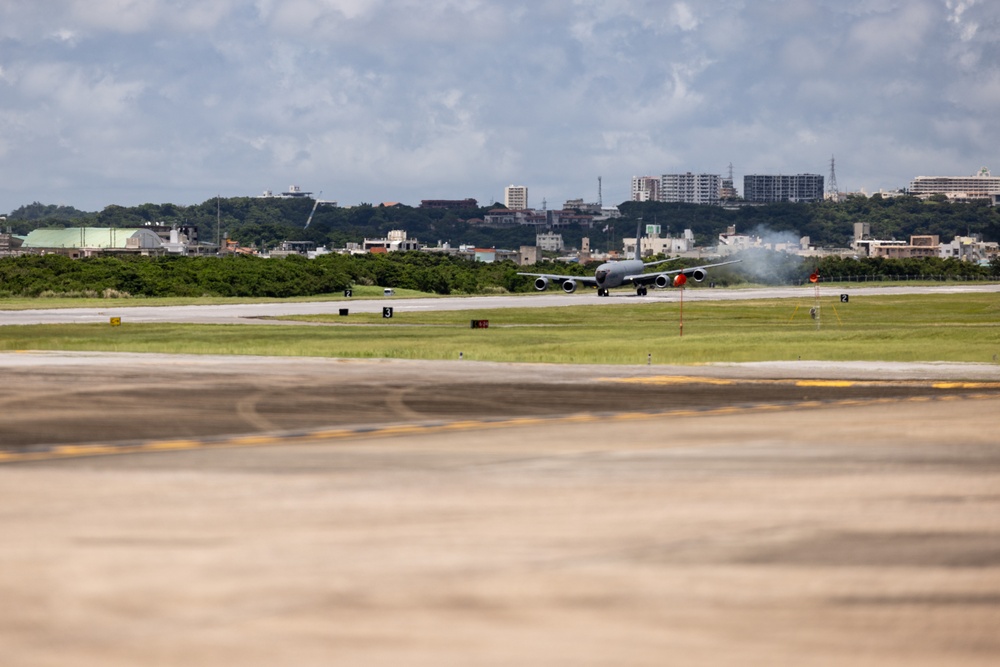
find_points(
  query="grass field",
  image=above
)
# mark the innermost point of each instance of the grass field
(25, 303)
(889, 328)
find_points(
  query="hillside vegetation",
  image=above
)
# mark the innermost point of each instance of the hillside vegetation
(264, 223)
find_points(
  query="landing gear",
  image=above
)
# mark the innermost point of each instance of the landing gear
(602, 292)
(640, 291)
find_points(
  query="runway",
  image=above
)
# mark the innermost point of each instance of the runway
(163, 509)
(254, 313)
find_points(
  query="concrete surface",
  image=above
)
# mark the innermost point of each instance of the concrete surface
(802, 531)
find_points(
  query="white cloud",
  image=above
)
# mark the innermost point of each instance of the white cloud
(373, 100)
(683, 16)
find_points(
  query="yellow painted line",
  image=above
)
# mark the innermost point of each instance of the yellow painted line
(84, 450)
(581, 418)
(825, 383)
(670, 380)
(168, 445)
(462, 425)
(251, 440)
(102, 449)
(328, 435)
(524, 421)
(689, 379)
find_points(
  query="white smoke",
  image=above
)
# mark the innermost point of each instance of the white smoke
(770, 259)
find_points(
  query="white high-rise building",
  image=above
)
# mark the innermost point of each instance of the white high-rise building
(690, 188)
(515, 197)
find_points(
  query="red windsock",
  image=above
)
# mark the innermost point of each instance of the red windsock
(679, 280)
(814, 278)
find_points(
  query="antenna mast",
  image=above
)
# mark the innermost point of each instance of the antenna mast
(600, 197)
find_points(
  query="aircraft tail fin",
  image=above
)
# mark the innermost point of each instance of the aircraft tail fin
(638, 240)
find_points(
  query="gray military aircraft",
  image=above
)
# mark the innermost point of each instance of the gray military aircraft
(626, 272)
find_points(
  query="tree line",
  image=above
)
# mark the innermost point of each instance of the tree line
(251, 276)
(264, 223)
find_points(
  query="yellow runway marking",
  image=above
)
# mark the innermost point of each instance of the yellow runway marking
(690, 379)
(56, 452)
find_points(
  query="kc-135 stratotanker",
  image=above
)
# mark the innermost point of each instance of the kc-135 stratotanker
(626, 272)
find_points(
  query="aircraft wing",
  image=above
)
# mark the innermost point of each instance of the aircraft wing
(650, 278)
(590, 281)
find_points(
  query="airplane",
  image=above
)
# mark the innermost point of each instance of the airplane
(626, 272)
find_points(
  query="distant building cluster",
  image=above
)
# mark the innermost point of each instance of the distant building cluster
(983, 185)
(713, 189)
(964, 248)
(154, 239)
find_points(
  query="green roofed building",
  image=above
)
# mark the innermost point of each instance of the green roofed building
(87, 241)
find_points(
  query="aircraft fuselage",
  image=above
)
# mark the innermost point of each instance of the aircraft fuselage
(612, 274)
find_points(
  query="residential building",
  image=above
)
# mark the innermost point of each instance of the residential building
(565, 218)
(549, 241)
(501, 217)
(395, 241)
(727, 190)
(981, 186)
(294, 192)
(645, 188)
(582, 206)
(690, 188)
(528, 255)
(515, 197)
(770, 188)
(919, 246)
(451, 204)
(653, 243)
(970, 249)
(9, 244)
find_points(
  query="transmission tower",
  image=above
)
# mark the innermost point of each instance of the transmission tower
(831, 189)
(600, 198)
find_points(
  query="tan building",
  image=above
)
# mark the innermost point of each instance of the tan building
(645, 188)
(515, 197)
(919, 246)
(981, 186)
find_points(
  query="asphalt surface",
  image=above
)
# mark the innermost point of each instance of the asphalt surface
(53, 398)
(252, 313)
(171, 509)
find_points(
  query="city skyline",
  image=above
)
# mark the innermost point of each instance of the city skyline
(126, 103)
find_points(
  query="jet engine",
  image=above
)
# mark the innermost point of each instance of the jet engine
(541, 284)
(697, 275)
(569, 286)
(663, 281)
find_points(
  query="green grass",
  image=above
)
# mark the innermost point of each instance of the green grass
(963, 327)
(30, 303)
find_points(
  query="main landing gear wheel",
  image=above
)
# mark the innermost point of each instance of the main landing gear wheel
(601, 291)
(640, 291)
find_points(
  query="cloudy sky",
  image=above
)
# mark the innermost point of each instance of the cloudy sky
(131, 101)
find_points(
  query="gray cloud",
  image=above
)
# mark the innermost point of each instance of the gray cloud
(107, 101)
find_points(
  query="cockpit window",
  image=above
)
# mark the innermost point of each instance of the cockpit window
(601, 275)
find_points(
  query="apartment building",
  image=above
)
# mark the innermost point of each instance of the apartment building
(983, 185)
(770, 188)
(690, 188)
(645, 188)
(515, 197)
